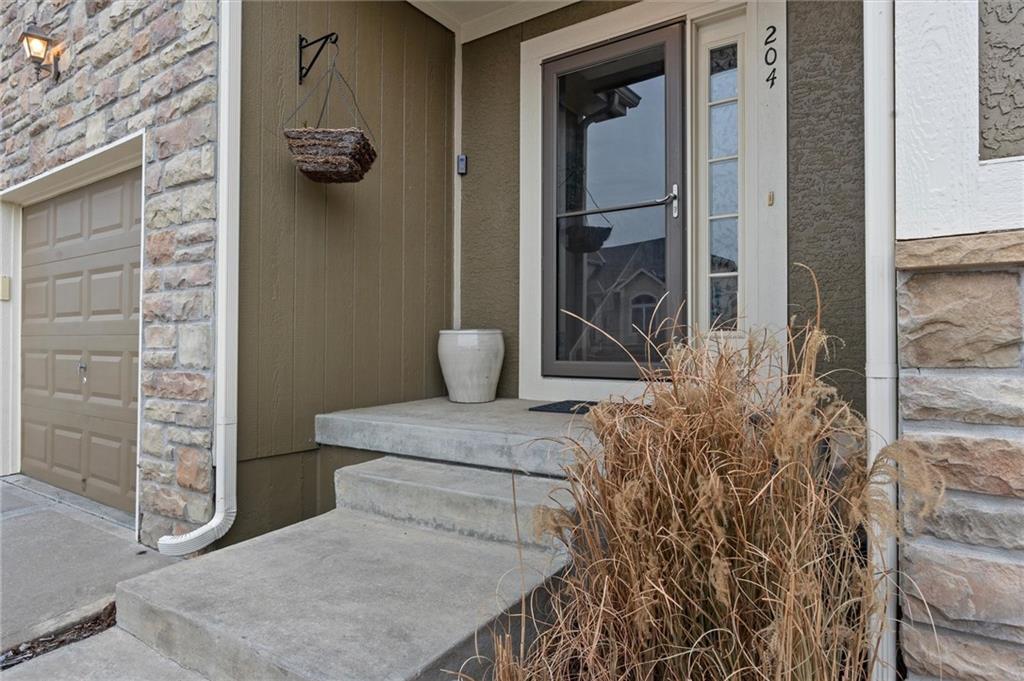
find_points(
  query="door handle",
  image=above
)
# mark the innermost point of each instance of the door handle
(672, 197)
(83, 372)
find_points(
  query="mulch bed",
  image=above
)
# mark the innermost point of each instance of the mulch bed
(105, 619)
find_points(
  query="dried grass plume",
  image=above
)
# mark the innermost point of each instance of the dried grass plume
(720, 529)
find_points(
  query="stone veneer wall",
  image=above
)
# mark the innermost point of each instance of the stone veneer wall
(962, 401)
(130, 65)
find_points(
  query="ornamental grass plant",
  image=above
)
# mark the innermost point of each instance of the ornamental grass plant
(720, 529)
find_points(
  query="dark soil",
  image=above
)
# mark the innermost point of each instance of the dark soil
(44, 644)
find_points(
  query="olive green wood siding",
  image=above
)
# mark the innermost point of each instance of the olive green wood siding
(342, 287)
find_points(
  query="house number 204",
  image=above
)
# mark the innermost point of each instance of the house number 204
(771, 55)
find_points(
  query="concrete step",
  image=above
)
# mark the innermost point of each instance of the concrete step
(502, 434)
(345, 596)
(113, 655)
(470, 501)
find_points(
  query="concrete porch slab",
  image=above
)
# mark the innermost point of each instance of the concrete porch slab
(502, 434)
(59, 564)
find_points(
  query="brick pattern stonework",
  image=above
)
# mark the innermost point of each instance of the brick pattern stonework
(127, 66)
(962, 403)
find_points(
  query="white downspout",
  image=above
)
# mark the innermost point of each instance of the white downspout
(880, 278)
(226, 362)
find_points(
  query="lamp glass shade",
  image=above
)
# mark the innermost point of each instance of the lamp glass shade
(36, 44)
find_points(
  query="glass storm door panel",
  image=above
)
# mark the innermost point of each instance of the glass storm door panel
(614, 247)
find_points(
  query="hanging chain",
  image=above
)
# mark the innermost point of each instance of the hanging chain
(331, 73)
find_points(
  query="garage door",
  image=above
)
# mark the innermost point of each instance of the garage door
(80, 334)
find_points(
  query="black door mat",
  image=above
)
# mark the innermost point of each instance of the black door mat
(565, 407)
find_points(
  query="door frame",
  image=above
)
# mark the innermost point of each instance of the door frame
(765, 172)
(109, 160)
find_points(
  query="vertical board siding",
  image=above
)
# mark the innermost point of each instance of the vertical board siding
(311, 226)
(414, 101)
(276, 232)
(343, 287)
(339, 250)
(392, 248)
(249, 245)
(367, 215)
(438, 192)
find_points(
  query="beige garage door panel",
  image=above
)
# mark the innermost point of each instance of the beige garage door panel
(57, 446)
(80, 326)
(101, 217)
(88, 295)
(51, 379)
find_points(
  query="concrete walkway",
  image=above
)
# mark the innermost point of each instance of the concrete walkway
(60, 558)
(113, 655)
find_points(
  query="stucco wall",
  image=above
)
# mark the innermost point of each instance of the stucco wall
(130, 66)
(490, 192)
(1001, 52)
(826, 179)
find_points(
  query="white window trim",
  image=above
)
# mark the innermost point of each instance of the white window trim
(942, 186)
(765, 287)
(111, 159)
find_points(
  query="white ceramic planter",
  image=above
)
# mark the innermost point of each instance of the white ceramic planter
(471, 363)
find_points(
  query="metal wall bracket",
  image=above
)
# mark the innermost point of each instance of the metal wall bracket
(304, 69)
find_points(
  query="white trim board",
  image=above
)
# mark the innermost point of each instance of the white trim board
(942, 188)
(457, 192)
(10, 340)
(106, 161)
(766, 172)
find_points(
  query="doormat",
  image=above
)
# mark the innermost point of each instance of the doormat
(565, 407)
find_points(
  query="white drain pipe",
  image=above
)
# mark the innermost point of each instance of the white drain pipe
(880, 277)
(225, 434)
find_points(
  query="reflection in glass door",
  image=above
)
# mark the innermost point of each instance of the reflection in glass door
(613, 243)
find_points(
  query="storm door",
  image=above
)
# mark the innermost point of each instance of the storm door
(614, 243)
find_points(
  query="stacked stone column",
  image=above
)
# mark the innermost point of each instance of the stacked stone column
(962, 402)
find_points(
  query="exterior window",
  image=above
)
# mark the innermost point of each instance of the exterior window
(642, 313)
(723, 170)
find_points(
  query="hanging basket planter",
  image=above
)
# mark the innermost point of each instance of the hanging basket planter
(331, 154)
(586, 238)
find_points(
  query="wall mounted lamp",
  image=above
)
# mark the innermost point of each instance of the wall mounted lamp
(38, 46)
